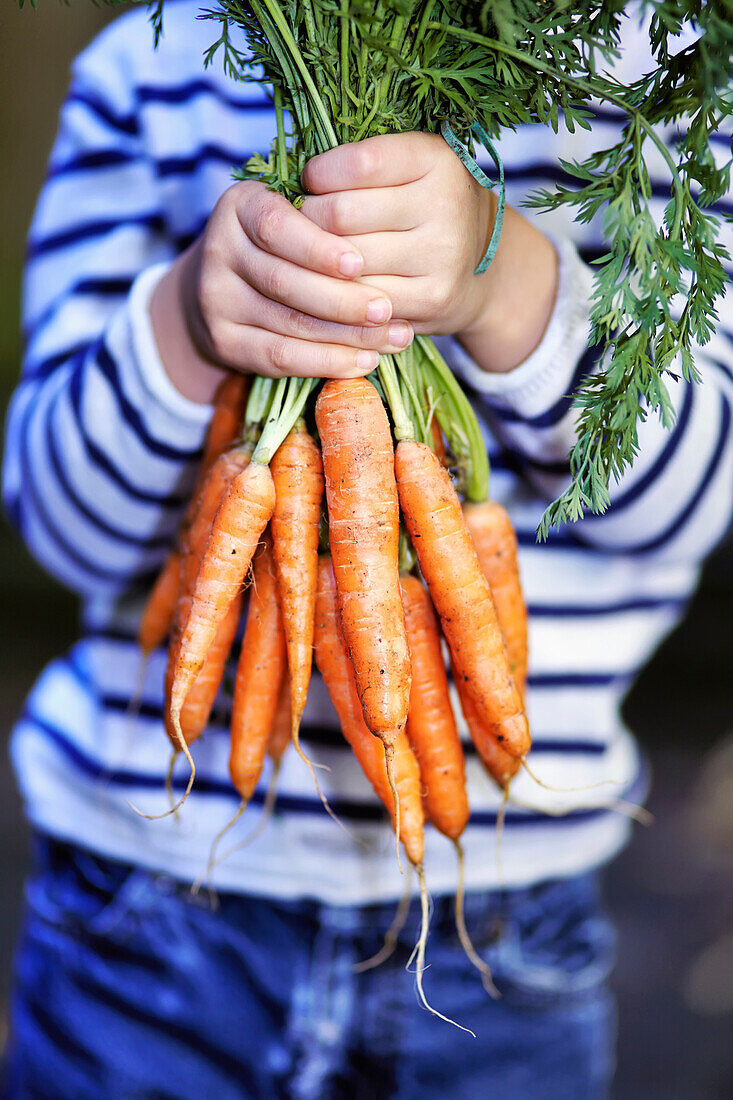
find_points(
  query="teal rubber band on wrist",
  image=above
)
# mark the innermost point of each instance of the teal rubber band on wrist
(480, 176)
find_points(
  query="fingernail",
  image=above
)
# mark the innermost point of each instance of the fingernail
(366, 360)
(399, 334)
(377, 310)
(350, 263)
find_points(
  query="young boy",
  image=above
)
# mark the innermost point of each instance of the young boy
(149, 274)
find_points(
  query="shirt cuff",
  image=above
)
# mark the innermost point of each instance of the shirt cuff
(153, 374)
(538, 383)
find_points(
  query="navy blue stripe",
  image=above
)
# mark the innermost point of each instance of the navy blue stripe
(184, 165)
(582, 611)
(722, 367)
(116, 287)
(163, 166)
(91, 230)
(553, 172)
(175, 501)
(131, 416)
(84, 162)
(72, 553)
(677, 524)
(125, 124)
(45, 367)
(348, 809)
(577, 679)
(183, 93)
(103, 287)
(129, 538)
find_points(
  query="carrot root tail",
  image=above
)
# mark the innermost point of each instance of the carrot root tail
(618, 805)
(568, 790)
(267, 811)
(133, 707)
(176, 718)
(312, 769)
(169, 781)
(205, 877)
(389, 762)
(391, 936)
(468, 948)
(500, 819)
(420, 953)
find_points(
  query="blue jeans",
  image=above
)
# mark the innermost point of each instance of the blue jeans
(128, 987)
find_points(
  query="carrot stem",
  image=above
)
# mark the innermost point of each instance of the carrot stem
(289, 398)
(457, 419)
(403, 427)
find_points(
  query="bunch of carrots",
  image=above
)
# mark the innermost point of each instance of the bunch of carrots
(373, 580)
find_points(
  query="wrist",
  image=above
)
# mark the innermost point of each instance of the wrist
(171, 314)
(516, 298)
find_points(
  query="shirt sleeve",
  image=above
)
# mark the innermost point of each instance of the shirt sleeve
(100, 449)
(676, 500)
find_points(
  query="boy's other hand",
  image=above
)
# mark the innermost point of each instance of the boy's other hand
(265, 290)
(421, 222)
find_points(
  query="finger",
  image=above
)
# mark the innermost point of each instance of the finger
(386, 339)
(416, 299)
(259, 351)
(337, 300)
(383, 161)
(370, 210)
(400, 254)
(275, 226)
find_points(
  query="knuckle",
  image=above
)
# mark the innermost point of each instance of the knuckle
(207, 291)
(303, 325)
(274, 282)
(267, 223)
(340, 308)
(278, 354)
(342, 214)
(369, 159)
(438, 297)
(216, 331)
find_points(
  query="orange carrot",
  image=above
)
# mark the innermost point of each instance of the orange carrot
(259, 676)
(211, 494)
(438, 441)
(496, 545)
(460, 592)
(200, 699)
(280, 732)
(337, 672)
(501, 766)
(297, 471)
(363, 512)
(431, 726)
(159, 611)
(240, 521)
(226, 420)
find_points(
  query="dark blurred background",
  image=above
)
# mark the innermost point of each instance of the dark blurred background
(671, 892)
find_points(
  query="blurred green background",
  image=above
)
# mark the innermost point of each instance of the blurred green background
(671, 892)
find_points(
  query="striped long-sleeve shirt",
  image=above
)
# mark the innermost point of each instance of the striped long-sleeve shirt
(102, 452)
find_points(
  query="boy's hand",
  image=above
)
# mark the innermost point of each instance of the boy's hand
(422, 223)
(264, 290)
